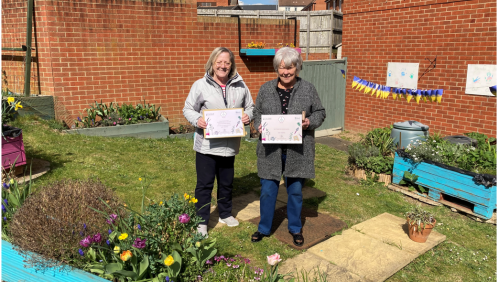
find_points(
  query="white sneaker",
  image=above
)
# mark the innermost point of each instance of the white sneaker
(230, 221)
(203, 229)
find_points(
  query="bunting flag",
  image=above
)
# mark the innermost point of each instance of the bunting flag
(433, 95)
(418, 96)
(439, 95)
(343, 73)
(493, 90)
(383, 91)
(395, 93)
(355, 81)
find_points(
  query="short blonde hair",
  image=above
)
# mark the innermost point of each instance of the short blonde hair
(213, 57)
(290, 57)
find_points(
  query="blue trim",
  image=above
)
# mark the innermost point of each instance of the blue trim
(13, 270)
(258, 52)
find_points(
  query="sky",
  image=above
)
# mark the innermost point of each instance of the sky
(257, 2)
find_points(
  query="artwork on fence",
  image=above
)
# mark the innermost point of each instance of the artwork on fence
(402, 75)
(480, 78)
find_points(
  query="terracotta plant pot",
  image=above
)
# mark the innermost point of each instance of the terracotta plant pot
(420, 236)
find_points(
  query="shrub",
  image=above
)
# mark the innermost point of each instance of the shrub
(369, 158)
(381, 139)
(53, 221)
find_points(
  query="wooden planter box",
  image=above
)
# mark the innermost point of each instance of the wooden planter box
(441, 181)
(13, 151)
(152, 130)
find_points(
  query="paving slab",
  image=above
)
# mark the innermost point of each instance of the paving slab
(310, 263)
(396, 232)
(38, 168)
(374, 257)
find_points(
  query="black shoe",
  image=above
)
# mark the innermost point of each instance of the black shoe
(257, 237)
(298, 239)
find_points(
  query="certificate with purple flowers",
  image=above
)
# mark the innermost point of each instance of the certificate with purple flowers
(224, 123)
(281, 129)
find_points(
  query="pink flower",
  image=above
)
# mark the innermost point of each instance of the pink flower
(97, 238)
(86, 241)
(114, 123)
(184, 218)
(112, 218)
(129, 118)
(274, 259)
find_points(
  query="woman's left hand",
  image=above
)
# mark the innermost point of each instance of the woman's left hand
(246, 119)
(305, 124)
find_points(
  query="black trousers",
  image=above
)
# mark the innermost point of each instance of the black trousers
(207, 168)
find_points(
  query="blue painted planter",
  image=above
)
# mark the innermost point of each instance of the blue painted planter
(440, 180)
(261, 52)
(13, 270)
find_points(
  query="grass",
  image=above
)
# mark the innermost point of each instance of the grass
(468, 254)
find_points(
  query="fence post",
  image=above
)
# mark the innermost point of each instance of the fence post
(331, 37)
(308, 35)
(27, 69)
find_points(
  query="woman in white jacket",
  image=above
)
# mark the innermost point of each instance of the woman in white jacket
(221, 87)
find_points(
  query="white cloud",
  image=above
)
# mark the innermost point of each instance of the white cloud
(240, 2)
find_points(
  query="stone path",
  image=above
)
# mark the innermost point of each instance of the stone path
(370, 251)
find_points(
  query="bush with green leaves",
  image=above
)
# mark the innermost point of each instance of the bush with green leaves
(381, 139)
(161, 242)
(369, 158)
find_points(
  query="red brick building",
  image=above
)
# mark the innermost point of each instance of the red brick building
(127, 51)
(457, 33)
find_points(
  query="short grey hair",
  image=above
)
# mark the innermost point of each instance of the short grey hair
(213, 57)
(290, 57)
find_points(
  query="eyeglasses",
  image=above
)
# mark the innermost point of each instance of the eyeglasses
(222, 64)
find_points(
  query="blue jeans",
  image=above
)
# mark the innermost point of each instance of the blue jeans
(268, 199)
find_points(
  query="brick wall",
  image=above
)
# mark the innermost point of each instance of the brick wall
(126, 51)
(457, 32)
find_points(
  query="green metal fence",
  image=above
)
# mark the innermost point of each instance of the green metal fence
(328, 79)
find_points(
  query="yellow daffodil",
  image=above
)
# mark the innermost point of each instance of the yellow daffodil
(126, 255)
(186, 196)
(123, 236)
(11, 100)
(193, 200)
(117, 249)
(169, 261)
(140, 178)
(11, 181)
(18, 106)
(160, 203)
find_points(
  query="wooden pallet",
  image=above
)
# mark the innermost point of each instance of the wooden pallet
(454, 206)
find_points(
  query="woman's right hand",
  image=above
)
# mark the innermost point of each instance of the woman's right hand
(201, 123)
(260, 128)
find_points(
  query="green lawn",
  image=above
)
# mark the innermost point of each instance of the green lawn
(468, 254)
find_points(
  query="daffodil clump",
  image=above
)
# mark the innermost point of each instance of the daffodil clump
(256, 45)
(161, 242)
(9, 108)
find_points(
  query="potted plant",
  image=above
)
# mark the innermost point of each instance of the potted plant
(420, 223)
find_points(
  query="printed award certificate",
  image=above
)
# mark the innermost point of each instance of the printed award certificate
(224, 123)
(281, 129)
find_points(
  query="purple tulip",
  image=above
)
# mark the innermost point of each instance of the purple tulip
(184, 218)
(112, 218)
(81, 252)
(86, 241)
(97, 238)
(139, 244)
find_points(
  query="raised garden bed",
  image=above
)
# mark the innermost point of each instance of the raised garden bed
(445, 184)
(261, 52)
(152, 130)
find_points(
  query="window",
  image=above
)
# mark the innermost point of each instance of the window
(295, 8)
(205, 4)
(288, 9)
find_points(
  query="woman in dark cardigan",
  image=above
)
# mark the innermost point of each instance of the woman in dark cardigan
(287, 94)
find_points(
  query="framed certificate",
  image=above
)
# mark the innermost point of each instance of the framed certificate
(224, 123)
(281, 129)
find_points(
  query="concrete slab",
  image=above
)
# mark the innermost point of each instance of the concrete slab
(38, 168)
(310, 264)
(362, 255)
(393, 230)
